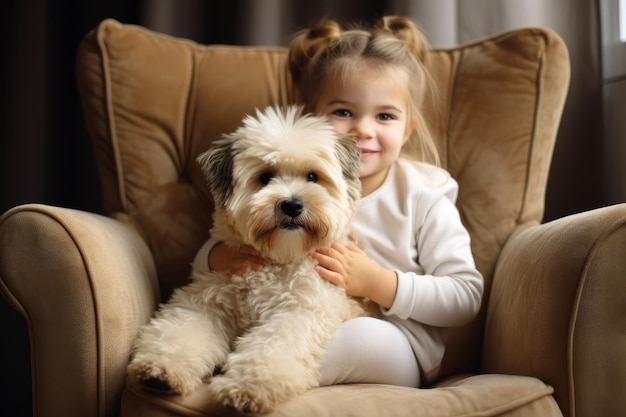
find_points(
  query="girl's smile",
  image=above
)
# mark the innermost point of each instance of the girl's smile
(365, 152)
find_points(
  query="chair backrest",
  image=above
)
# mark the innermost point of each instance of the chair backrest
(153, 102)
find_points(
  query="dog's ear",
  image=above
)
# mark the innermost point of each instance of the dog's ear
(349, 156)
(217, 166)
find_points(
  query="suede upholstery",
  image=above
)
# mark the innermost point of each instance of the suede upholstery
(553, 313)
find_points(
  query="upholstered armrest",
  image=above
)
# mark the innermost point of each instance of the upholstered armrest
(557, 310)
(84, 283)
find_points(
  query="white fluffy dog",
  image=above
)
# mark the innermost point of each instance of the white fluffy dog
(286, 184)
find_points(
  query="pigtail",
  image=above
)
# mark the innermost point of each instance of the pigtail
(425, 94)
(306, 46)
(405, 30)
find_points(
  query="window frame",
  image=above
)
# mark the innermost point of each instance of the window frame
(613, 33)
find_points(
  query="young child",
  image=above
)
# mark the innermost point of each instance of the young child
(412, 254)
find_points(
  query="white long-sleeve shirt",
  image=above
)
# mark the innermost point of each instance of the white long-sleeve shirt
(410, 225)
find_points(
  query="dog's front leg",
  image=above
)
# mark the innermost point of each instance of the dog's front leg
(182, 344)
(275, 361)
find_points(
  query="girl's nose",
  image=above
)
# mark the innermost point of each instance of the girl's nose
(362, 129)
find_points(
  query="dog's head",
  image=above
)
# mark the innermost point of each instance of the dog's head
(284, 183)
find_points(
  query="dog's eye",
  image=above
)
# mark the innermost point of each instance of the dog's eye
(266, 177)
(311, 177)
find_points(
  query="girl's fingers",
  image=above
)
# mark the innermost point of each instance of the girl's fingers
(258, 265)
(238, 271)
(335, 252)
(353, 247)
(338, 248)
(330, 276)
(249, 250)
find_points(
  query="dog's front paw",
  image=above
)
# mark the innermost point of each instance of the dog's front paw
(157, 384)
(243, 396)
(163, 378)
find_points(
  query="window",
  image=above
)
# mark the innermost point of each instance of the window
(622, 20)
(613, 22)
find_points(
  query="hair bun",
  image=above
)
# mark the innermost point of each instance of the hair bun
(324, 30)
(308, 43)
(405, 30)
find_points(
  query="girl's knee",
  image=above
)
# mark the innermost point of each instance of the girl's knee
(369, 350)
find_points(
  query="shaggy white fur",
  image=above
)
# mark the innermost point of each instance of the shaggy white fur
(286, 184)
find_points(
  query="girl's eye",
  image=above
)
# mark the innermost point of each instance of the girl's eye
(266, 177)
(385, 117)
(311, 177)
(342, 113)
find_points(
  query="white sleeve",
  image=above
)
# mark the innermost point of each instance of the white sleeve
(201, 261)
(450, 290)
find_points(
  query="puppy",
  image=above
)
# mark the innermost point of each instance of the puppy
(286, 184)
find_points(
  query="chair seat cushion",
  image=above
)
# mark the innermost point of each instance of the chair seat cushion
(478, 395)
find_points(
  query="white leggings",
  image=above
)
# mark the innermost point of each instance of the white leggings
(369, 350)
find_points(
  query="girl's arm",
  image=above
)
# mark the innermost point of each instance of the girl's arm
(448, 289)
(445, 289)
(216, 256)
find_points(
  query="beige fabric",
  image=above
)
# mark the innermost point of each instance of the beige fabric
(152, 102)
(564, 283)
(153, 114)
(483, 395)
(84, 283)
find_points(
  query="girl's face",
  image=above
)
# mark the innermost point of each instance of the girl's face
(372, 106)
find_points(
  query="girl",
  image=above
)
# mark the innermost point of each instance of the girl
(413, 256)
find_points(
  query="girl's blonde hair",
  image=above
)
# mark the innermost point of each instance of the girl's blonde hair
(327, 52)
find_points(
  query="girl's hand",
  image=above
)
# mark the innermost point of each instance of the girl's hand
(349, 267)
(223, 258)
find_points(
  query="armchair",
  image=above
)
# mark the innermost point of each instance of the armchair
(549, 340)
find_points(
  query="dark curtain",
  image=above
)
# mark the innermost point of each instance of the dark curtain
(45, 156)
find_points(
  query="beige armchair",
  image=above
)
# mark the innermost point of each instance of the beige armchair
(549, 339)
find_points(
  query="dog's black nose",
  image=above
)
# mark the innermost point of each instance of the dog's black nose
(292, 208)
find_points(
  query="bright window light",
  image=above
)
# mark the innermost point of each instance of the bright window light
(622, 20)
